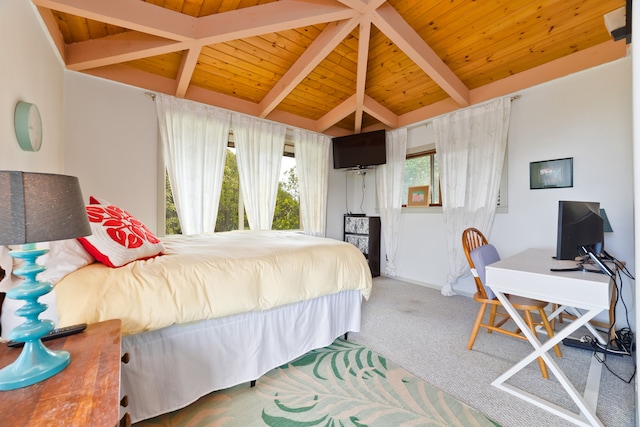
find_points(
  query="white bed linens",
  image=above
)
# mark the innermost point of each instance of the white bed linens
(210, 276)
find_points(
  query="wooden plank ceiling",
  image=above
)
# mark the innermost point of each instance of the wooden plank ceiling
(332, 66)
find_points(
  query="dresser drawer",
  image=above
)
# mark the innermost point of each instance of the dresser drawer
(356, 225)
(360, 242)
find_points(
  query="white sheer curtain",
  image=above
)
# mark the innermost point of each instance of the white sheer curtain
(312, 166)
(389, 184)
(194, 140)
(471, 147)
(259, 148)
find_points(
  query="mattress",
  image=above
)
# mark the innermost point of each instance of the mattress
(210, 276)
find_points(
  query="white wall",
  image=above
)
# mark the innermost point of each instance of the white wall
(30, 71)
(586, 116)
(112, 144)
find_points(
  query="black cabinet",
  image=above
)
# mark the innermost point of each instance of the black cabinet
(364, 233)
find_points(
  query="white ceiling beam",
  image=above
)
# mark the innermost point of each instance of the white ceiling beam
(133, 14)
(372, 5)
(354, 4)
(361, 73)
(341, 111)
(322, 46)
(380, 112)
(268, 18)
(221, 100)
(362, 6)
(217, 28)
(54, 31)
(118, 48)
(389, 21)
(185, 72)
(134, 77)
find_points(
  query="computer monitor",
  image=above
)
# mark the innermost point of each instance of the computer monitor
(579, 224)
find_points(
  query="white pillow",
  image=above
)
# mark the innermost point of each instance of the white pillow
(64, 257)
(6, 263)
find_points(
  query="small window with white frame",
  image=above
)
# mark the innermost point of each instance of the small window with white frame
(422, 180)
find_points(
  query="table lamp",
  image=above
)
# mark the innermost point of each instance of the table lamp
(36, 207)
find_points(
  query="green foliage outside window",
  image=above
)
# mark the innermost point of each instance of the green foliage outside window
(228, 207)
(171, 215)
(287, 211)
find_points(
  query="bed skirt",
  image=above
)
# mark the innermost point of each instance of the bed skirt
(173, 367)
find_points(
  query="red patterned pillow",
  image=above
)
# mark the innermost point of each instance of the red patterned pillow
(118, 238)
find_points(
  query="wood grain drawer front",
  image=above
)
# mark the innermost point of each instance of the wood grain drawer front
(85, 393)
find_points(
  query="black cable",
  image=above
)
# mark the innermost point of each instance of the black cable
(346, 190)
(624, 338)
(363, 190)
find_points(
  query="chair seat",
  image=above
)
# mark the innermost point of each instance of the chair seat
(522, 303)
(519, 303)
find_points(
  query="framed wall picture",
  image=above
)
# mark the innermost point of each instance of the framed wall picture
(556, 173)
(418, 196)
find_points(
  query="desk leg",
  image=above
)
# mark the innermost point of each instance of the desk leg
(587, 325)
(589, 417)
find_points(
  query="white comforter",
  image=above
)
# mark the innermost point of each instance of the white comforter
(213, 275)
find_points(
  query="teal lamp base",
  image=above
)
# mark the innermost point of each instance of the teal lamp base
(36, 362)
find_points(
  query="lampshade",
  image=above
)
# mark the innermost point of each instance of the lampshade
(40, 207)
(607, 225)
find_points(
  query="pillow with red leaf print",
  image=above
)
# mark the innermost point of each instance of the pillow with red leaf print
(118, 237)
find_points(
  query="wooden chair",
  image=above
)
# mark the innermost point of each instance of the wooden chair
(473, 239)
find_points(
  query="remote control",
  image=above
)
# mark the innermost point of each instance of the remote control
(55, 333)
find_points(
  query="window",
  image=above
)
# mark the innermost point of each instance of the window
(287, 212)
(231, 208)
(422, 169)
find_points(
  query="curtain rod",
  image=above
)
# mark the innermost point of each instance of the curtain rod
(414, 125)
(289, 128)
(428, 121)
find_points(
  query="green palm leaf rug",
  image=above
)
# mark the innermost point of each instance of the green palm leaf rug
(342, 385)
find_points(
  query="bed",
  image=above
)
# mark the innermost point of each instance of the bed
(215, 310)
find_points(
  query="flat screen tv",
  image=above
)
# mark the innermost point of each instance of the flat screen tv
(579, 224)
(360, 151)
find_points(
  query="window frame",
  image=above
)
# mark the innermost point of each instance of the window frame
(503, 193)
(422, 152)
(288, 151)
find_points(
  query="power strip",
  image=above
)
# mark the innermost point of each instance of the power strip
(574, 342)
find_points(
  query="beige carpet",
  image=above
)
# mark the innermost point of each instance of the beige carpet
(427, 333)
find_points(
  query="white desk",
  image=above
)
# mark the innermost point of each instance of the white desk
(528, 274)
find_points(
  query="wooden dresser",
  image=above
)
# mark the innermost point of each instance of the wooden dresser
(85, 393)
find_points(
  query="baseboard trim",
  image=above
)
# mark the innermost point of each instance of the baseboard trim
(428, 285)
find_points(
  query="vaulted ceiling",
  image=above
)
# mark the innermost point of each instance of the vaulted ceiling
(332, 66)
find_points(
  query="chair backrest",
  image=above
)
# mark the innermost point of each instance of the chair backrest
(481, 257)
(472, 238)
